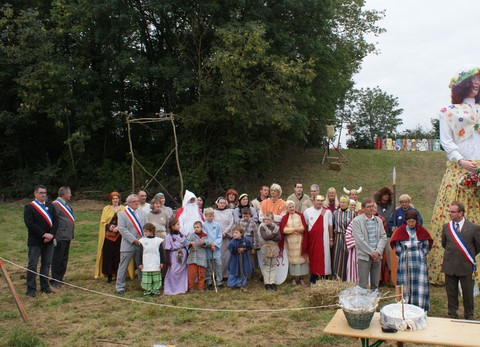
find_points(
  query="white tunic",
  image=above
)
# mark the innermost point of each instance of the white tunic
(151, 253)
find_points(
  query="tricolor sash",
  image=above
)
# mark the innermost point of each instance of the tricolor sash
(133, 219)
(461, 245)
(67, 210)
(43, 212)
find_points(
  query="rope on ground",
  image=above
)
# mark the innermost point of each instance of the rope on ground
(180, 307)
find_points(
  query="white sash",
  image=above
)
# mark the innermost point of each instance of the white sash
(65, 210)
(133, 219)
(461, 245)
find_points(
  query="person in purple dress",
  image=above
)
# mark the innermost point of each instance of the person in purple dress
(176, 279)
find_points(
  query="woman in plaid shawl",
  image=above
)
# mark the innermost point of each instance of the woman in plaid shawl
(411, 243)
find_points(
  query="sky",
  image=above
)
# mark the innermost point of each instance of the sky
(426, 42)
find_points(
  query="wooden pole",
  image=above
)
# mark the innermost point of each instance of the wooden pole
(132, 167)
(14, 292)
(176, 155)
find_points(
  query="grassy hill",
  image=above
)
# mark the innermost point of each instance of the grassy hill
(419, 174)
(90, 314)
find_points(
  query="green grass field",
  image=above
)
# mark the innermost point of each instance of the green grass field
(90, 314)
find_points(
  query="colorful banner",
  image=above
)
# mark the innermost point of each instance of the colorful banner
(422, 145)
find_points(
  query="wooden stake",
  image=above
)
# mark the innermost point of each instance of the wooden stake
(14, 292)
(398, 293)
(399, 297)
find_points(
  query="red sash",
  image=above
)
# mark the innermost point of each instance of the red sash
(43, 212)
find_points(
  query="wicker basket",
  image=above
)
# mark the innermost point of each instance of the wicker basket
(359, 319)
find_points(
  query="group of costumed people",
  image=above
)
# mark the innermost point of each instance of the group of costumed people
(270, 227)
(315, 231)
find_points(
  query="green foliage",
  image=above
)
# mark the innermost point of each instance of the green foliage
(245, 80)
(420, 133)
(22, 181)
(112, 176)
(372, 113)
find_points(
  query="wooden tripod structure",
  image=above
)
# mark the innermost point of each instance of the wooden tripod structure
(162, 117)
(14, 292)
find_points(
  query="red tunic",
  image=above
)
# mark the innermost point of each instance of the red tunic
(318, 249)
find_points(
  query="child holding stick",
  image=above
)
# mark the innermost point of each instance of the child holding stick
(214, 255)
(239, 266)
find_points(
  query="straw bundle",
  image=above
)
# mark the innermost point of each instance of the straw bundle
(325, 292)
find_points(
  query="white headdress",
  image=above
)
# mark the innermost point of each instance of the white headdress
(358, 191)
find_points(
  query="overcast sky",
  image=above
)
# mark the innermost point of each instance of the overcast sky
(426, 43)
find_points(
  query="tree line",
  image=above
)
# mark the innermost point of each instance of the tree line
(246, 81)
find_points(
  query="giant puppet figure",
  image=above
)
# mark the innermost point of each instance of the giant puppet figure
(460, 138)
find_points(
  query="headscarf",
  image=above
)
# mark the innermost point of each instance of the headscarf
(240, 206)
(221, 198)
(241, 197)
(158, 196)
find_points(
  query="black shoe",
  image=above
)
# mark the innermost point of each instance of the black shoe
(121, 292)
(210, 286)
(55, 284)
(109, 279)
(274, 287)
(48, 290)
(31, 294)
(267, 286)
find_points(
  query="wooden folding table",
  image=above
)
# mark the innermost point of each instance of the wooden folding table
(440, 331)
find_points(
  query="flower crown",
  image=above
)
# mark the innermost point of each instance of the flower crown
(463, 74)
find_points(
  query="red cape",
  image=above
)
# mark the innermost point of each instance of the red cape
(401, 234)
(283, 223)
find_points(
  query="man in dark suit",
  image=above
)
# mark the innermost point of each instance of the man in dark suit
(41, 221)
(130, 225)
(458, 266)
(66, 224)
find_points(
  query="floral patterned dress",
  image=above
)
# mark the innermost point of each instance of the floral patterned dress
(460, 138)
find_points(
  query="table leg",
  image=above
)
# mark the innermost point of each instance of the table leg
(366, 342)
